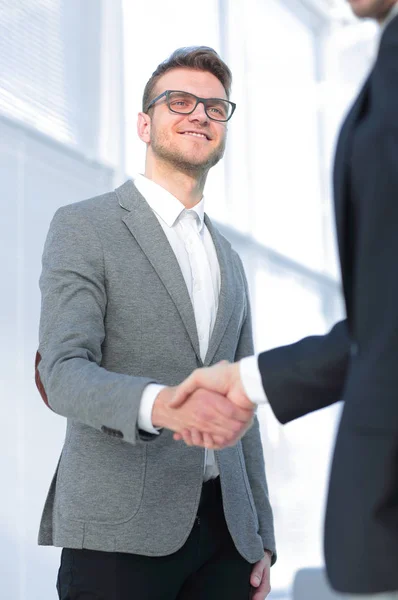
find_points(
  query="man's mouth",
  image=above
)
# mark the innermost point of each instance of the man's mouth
(197, 134)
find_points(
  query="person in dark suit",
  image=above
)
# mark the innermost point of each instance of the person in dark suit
(357, 361)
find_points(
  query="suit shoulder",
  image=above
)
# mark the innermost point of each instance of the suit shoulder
(91, 206)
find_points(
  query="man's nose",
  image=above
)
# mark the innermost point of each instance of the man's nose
(199, 114)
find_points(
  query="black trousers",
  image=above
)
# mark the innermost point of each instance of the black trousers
(207, 567)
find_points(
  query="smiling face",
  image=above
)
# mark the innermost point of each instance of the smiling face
(371, 9)
(188, 143)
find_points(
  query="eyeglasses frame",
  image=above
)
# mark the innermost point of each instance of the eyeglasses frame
(198, 101)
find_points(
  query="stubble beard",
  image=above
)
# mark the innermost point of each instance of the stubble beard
(176, 159)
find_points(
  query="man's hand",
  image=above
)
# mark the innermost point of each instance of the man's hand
(219, 422)
(260, 578)
(223, 378)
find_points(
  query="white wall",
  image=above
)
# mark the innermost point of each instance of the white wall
(57, 120)
(37, 175)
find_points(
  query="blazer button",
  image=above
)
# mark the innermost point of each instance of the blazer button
(354, 350)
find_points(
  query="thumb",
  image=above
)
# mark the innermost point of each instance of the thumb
(183, 391)
(255, 578)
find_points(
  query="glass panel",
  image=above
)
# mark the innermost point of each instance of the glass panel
(288, 306)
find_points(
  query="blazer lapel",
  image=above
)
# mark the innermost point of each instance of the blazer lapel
(150, 236)
(228, 290)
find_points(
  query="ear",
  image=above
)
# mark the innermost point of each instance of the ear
(144, 127)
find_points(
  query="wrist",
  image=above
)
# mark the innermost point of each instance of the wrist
(241, 398)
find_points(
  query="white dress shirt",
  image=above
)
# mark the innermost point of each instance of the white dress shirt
(249, 371)
(193, 247)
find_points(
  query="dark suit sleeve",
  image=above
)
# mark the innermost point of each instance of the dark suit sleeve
(307, 375)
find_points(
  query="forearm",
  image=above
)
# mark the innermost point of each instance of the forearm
(79, 389)
(307, 375)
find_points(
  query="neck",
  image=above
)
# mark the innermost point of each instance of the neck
(187, 188)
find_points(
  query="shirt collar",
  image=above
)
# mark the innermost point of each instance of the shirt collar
(163, 203)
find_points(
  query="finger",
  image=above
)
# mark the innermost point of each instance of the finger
(227, 434)
(264, 588)
(224, 433)
(186, 436)
(228, 428)
(197, 438)
(206, 442)
(210, 378)
(200, 414)
(262, 592)
(257, 573)
(216, 412)
(219, 441)
(209, 442)
(256, 577)
(228, 409)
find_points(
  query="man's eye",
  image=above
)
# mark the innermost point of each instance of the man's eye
(217, 110)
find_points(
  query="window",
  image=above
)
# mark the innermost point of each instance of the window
(49, 68)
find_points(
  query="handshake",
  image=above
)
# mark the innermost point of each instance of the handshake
(209, 409)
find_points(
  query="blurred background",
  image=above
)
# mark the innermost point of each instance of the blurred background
(72, 74)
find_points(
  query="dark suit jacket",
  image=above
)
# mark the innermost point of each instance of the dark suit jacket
(358, 360)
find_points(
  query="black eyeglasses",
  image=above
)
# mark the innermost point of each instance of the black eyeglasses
(184, 103)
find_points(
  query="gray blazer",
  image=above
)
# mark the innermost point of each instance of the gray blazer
(116, 315)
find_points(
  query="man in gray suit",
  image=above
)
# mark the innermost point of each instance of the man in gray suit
(138, 290)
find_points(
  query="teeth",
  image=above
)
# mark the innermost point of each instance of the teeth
(195, 134)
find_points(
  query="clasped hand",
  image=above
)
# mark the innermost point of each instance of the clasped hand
(209, 409)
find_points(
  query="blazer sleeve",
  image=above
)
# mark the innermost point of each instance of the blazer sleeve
(307, 375)
(252, 447)
(74, 299)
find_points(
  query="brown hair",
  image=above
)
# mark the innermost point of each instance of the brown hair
(201, 58)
